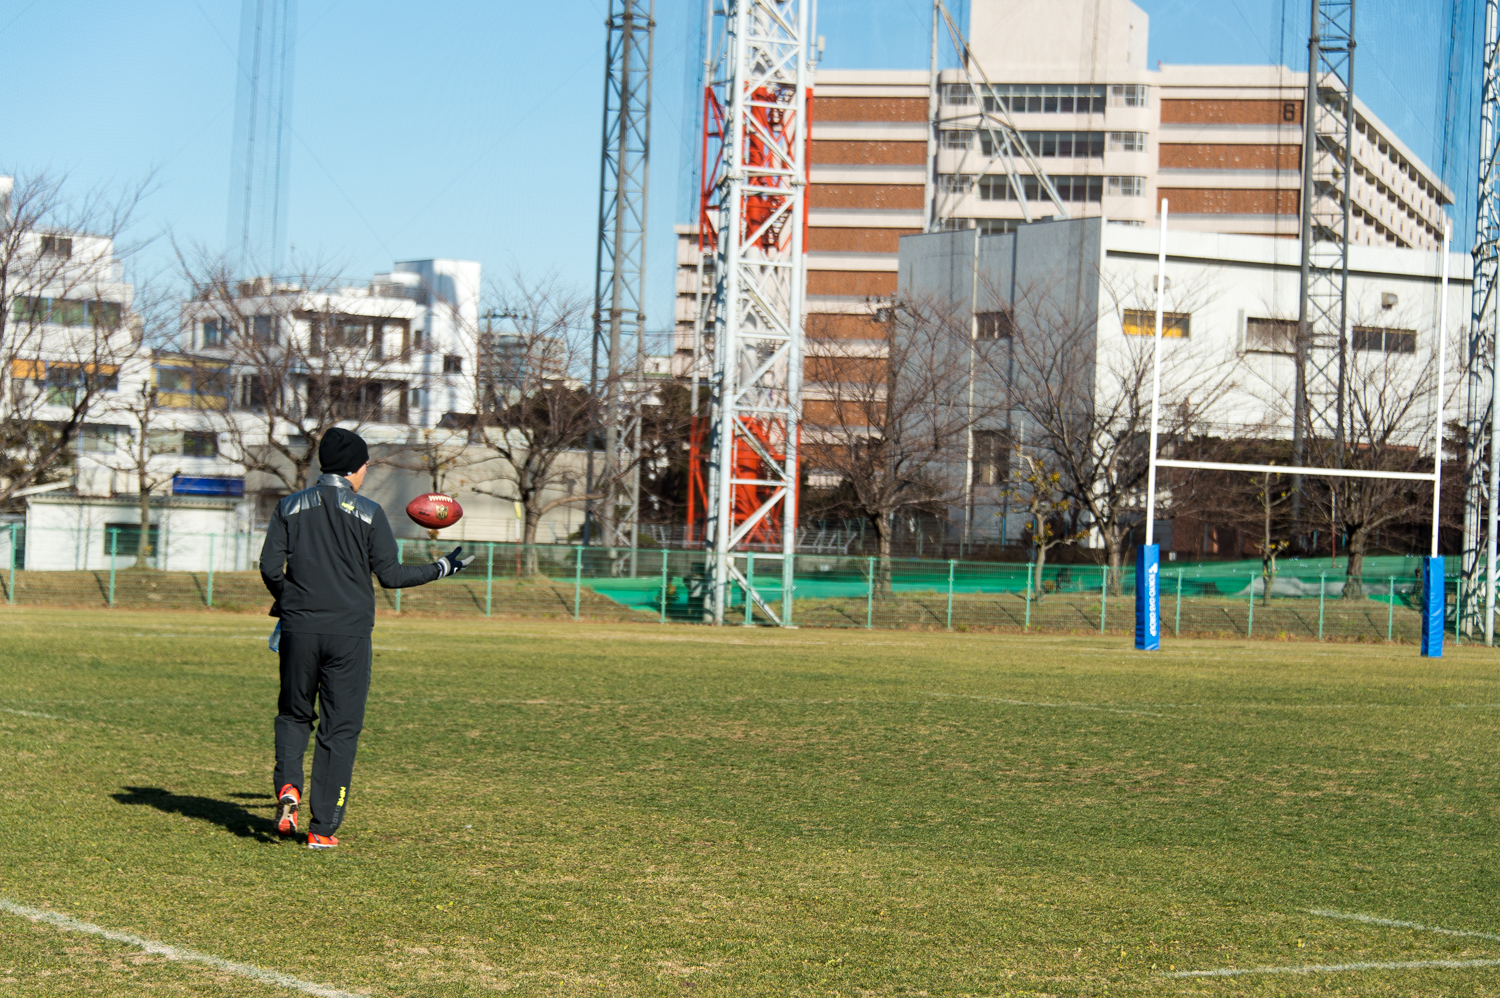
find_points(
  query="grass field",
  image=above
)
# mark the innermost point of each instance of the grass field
(548, 808)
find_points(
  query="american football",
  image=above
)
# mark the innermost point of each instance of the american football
(434, 510)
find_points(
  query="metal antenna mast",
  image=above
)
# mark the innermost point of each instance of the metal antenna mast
(758, 92)
(1481, 383)
(992, 124)
(1323, 314)
(619, 305)
(260, 164)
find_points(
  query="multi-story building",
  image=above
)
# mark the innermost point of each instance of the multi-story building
(1115, 135)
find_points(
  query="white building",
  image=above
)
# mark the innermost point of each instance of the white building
(1231, 310)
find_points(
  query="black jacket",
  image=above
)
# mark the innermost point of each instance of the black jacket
(330, 540)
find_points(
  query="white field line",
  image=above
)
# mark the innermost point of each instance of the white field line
(173, 952)
(1372, 920)
(31, 713)
(1042, 703)
(1335, 968)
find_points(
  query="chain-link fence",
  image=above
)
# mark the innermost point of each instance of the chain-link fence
(110, 566)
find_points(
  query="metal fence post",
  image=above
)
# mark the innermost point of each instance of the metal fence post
(1103, 597)
(1177, 621)
(489, 580)
(1250, 625)
(1458, 612)
(114, 541)
(1390, 613)
(951, 563)
(1322, 592)
(400, 552)
(870, 597)
(10, 590)
(1030, 571)
(577, 579)
(749, 588)
(210, 570)
(664, 582)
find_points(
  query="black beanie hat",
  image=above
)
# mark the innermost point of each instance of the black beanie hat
(342, 451)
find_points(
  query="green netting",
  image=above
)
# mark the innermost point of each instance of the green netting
(102, 566)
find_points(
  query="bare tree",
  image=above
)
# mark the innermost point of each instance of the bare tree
(148, 442)
(894, 428)
(1389, 397)
(65, 325)
(306, 353)
(534, 406)
(434, 454)
(1084, 395)
(1041, 492)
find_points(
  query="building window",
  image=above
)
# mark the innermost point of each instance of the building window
(991, 457)
(1271, 335)
(1127, 141)
(95, 439)
(1125, 187)
(957, 224)
(1036, 98)
(1127, 95)
(996, 226)
(215, 332)
(1069, 188)
(953, 138)
(957, 94)
(1379, 339)
(1062, 145)
(264, 328)
(66, 311)
(453, 364)
(956, 183)
(414, 400)
(250, 394)
(58, 246)
(61, 382)
(192, 386)
(197, 443)
(1142, 322)
(994, 325)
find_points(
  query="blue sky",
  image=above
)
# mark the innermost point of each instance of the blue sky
(470, 128)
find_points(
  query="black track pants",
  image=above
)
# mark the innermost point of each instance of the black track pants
(335, 670)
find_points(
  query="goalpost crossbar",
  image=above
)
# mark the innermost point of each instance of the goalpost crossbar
(1282, 469)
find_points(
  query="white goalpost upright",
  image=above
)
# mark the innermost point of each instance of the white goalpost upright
(1148, 558)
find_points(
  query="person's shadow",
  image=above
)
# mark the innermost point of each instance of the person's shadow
(226, 814)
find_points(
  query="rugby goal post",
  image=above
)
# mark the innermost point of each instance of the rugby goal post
(1148, 557)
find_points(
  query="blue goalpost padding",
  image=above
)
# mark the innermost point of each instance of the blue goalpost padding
(1148, 598)
(1434, 603)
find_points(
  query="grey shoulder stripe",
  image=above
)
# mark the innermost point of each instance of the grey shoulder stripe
(299, 501)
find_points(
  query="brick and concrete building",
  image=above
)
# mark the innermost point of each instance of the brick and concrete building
(1222, 143)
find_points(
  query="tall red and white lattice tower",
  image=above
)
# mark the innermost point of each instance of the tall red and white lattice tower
(753, 215)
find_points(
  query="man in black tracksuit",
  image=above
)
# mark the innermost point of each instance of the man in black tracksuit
(321, 548)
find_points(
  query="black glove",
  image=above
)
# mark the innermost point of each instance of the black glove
(451, 563)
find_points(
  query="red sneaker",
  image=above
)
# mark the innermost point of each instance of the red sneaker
(321, 841)
(286, 810)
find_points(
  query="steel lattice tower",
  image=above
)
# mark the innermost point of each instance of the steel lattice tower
(261, 161)
(755, 184)
(1480, 385)
(1323, 315)
(619, 305)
